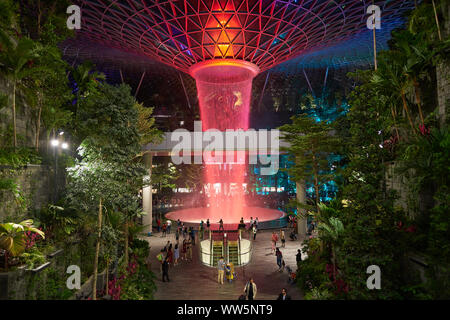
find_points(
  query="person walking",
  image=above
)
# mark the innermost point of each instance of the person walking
(282, 238)
(283, 295)
(221, 225)
(160, 258)
(189, 250)
(274, 240)
(169, 256)
(158, 225)
(184, 250)
(251, 224)
(256, 222)
(176, 255)
(164, 230)
(166, 247)
(298, 257)
(192, 235)
(207, 224)
(279, 258)
(220, 270)
(250, 290)
(185, 231)
(165, 270)
(254, 232)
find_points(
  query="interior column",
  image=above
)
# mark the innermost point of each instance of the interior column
(147, 195)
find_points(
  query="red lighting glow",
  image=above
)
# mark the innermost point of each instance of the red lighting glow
(224, 92)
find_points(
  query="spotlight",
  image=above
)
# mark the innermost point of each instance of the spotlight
(54, 143)
(61, 133)
(65, 145)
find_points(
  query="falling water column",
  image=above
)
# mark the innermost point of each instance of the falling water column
(224, 91)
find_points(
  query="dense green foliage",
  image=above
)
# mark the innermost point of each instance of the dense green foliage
(391, 133)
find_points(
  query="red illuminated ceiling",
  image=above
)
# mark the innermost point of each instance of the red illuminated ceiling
(182, 33)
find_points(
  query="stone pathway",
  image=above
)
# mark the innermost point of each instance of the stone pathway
(195, 281)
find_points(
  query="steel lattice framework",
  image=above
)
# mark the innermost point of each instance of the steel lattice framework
(182, 33)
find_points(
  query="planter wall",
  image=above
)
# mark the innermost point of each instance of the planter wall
(47, 281)
(86, 289)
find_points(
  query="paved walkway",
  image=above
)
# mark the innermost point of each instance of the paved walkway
(195, 281)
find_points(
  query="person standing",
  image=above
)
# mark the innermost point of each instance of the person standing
(192, 235)
(283, 295)
(158, 224)
(169, 256)
(189, 250)
(298, 257)
(251, 223)
(184, 231)
(220, 270)
(282, 238)
(160, 258)
(177, 235)
(184, 250)
(169, 224)
(207, 224)
(279, 258)
(164, 230)
(176, 255)
(254, 232)
(274, 241)
(165, 270)
(221, 225)
(250, 290)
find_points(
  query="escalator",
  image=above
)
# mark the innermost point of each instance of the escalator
(217, 252)
(233, 252)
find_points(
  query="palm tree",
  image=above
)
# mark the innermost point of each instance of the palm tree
(85, 79)
(417, 58)
(391, 80)
(330, 230)
(12, 237)
(15, 64)
(49, 87)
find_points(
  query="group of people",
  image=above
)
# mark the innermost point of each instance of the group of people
(274, 239)
(250, 291)
(171, 254)
(252, 228)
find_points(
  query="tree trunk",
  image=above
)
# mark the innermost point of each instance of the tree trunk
(437, 21)
(126, 244)
(38, 127)
(97, 251)
(333, 259)
(419, 101)
(14, 114)
(405, 107)
(395, 123)
(107, 277)
(316, 180)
